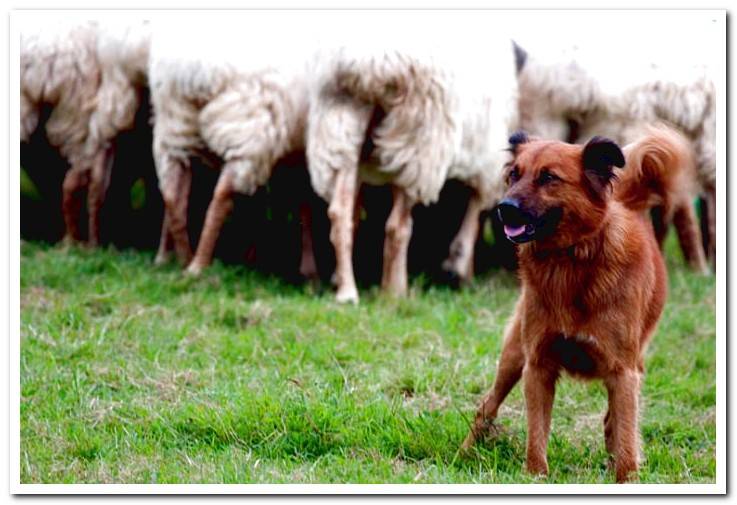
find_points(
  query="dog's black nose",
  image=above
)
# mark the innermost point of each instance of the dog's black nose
(510, 213)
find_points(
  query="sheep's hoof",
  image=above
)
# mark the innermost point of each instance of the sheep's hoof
(161, 259)
(194, 269)
(67, 243)
(395, 291)
(308, 271)
(452, 276)
(313, 281)
(702, 269)
(347, 295)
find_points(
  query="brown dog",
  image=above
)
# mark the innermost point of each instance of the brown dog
(593, 278)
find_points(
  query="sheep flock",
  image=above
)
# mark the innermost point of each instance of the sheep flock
(407, 110)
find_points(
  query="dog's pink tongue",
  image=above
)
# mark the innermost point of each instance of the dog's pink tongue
(513, 231)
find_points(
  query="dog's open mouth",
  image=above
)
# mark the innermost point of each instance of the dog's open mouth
(520, 234)
(522, 226)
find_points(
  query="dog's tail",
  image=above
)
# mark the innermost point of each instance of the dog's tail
(659, 169)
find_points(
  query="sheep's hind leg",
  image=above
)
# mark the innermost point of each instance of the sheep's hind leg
(165, 242)
(708, 224)
(75, 180)
(218, 210)
(689, 236)
(396, 243)
(307, 264)
(99, 182)
(340, 213)
(337, 129)
(175, 190)
(661, 220)
(460, 261)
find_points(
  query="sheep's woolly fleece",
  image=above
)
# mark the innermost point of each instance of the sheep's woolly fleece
(240, 95)
(123, 52)
(89, 73)
(449, 95)
(247, 101)
(59, 67)
(614, 94)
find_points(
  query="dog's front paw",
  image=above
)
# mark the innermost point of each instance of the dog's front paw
(537, 467)
(484, 431)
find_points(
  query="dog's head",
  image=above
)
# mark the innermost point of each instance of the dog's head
(557, 192)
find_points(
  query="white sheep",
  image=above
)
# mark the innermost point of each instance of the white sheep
(90, 73)
(586, 91)
(438, 104)
(231, 98)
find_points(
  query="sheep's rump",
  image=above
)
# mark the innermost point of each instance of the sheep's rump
(59, 68)
(433, 107)
(123, 54)
(235, 97)
(88, 73)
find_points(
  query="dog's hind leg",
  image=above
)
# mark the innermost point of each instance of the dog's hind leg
(509, 371)
(689, 236)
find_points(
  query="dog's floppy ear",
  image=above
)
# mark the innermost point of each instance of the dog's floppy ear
(517, 138)
(600, 154)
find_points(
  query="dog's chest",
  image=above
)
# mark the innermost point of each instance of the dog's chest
(570, 296)
(578, 354)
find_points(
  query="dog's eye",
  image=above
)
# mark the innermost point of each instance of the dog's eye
(546, 177)
(513, 175)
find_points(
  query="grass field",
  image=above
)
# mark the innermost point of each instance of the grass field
(139, 375)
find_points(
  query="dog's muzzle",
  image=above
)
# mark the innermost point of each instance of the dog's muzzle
(522, 226)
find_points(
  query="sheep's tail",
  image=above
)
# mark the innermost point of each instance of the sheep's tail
(659, 167)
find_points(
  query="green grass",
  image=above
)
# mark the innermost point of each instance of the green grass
(136, 374)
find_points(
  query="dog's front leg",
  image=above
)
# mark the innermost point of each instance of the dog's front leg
(624, 388)
(539, 385)
(508, 374)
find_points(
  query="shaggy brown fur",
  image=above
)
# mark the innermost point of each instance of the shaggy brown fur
(671, 193)
(593, 279)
